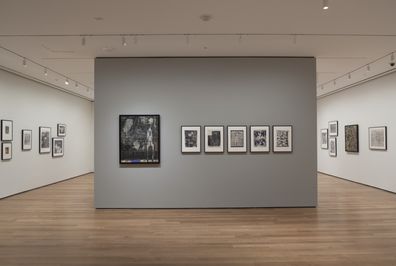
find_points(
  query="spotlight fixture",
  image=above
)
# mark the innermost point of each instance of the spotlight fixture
(349, 76)
(24, 62)
(83, 41)
(368, 68)
(45, 72)
(76, 84)
(392, 62)
(67, 81)
(240, 38)
(124, 43)
(325, 4)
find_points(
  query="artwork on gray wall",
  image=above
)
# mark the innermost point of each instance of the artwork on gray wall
(61, 130)
(44, 140)
(237, 139)
(352, 138)
(333, 129)
(26, 140)
(333, 147)
(378, 138)
(139, 137)
(324, 139)
(259, 139)
(191, 139)
(282, 138)
(58, 147)
(214, 139)
(6, 151)
(6, 130)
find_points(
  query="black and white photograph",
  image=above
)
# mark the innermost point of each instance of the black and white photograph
(237, 139)
(333, 147)
(214, 139)
(139, 139)
(191, 139)
(6, 151)
(61, 130)
(58, 147)
(333, 129)
(6, 130)
(259, 138)
(282, 138)
(352, 138)
(26, 140)
(378, 138)
(324, 139)
(44, 140)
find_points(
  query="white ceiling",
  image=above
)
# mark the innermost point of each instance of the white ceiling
(349, 35)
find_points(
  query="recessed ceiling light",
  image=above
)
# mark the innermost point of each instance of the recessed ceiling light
(45, 72)
(24, 62)
(205, 17)
(98, 18)
(67, 81)
(325, 4)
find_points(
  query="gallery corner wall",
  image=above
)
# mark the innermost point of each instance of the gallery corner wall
(30, 105)
(370, 104)
(206, 91)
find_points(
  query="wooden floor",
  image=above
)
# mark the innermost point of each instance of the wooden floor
(57, 225)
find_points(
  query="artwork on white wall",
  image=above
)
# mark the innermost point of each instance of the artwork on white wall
(6, 130)
(378, 138)
(44, 140)
(333, 129)
(352, 138)
(282, 138)
(58, 147)
(237, 139)
(333, 147)
(6, 151)
(324, 139)
(214, 139)
(259, 138)
(61, 130)
(191, 139)
(26, 140)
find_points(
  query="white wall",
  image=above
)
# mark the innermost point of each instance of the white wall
(369, 104)
(30, 105)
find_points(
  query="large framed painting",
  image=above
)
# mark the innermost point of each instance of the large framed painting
(139, 139)
(333, 147)
(378, 138)
(352, 138)
(214, 139)
(6, 151)
(237, 138)
(44, 140)
(61, 130)
(58, 147)
(259, 138)
(333, 129)
(324, 139)
(282, 138)
(191, 139)
(26, 140)
(6, 130)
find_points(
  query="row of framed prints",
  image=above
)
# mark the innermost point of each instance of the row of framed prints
(214, 140)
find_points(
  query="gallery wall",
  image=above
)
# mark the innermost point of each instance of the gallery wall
(31, 105)
(368, 105)
(206, 91)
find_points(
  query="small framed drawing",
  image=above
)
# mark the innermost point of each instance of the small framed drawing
(6, 151)
(191, 139)
(333, 147)
(214, 139)
(237, 139)
(378, 138)
(61, 130)
(324, 139)
(282, 138)
(44, 140)
(58, 147)
(259, 138)
(333, 129)
(6, 130)
(352, 138)
(26, 140)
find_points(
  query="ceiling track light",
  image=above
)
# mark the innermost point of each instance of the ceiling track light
(45, 72)
(325, 4)
(368, 68)
(76, 84)
(83, 41)
(349, 76)
(67, 81)
(124, 43)
(240, 38)
(24, 62)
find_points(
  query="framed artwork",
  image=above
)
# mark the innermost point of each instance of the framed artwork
(44, 140)
(378, 138)
(61, 130)
(26, 140)
(282, 138)
(333, 129)
(139, 139)
(58, 147)
(191, 139)
(324, 139)
(214, 139)
(259, 138)
(352, 138)
(6, 130)
(6, 151)
(333, 147)
(237, 139)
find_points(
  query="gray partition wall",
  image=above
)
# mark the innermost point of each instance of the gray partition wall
(206, 91)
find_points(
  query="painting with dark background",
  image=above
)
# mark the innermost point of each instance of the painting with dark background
(352, 138)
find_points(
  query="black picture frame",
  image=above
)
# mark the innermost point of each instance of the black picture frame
(236, 148)
(352, 138)
(184, 148)
(24, 146)
(275, 147)
(222, 140)
(44, 149)
(7, 136)
(61, 130)
(56, 151)
(385, 132)
(268, 139)
(4, 146)
(131, 140)
(331, 152)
